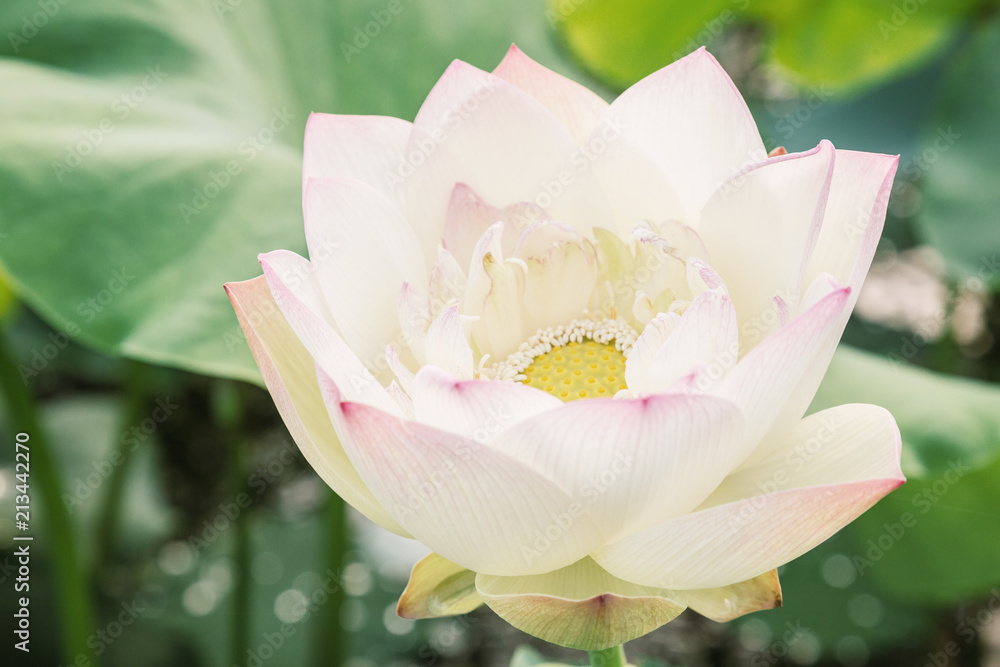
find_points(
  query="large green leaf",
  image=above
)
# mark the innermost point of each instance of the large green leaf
(934, 539)
(150, 149)
(961, 199)
(622, 42)
(850, 43)
(842, 44)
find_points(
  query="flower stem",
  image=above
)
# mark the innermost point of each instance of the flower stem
(76, 616)
(109, 514)
(331, 640)
(609, 657)
(227, 415)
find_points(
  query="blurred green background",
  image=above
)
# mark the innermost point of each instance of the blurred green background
(149, 149)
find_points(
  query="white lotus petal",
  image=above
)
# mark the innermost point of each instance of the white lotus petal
(477, 129)
(632, 462)
(760, 227)
(446, 345)
(366, 148)
(468, 217)
(324, 344)
(852, 226)
(476, 409)
(470, 503)
(772, 513)
(765, 379)
(647, 345)
(692, 121)
(286, 365)
(371, 252)
(576, 107)
(705, 341)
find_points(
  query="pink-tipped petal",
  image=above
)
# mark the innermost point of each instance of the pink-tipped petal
(364, 250)
(760, 228)
(693, 122)
(476, 409)
(286, 366)
(632, 463)
(468, 217)
(323, 342)
(765, 379)
(852, 226)
(575, 106)
(843, 461)
(480, 130)
(470, 503)
(366, 148)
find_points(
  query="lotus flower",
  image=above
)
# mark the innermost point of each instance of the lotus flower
(568, 345)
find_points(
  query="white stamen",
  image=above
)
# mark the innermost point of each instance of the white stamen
(604, 331)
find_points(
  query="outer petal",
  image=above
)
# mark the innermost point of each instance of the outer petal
(694, 124)
(832, 466)
(373, 252)
(576, 107)
(327, 348)
(474, 505)
(632, 463)
(476, 409)
(287, 369)
(855, 215)
(366, 148)
(759, 229)
(765, 379)
(729, 602)
(580, 606)
(477, 129)
(438, 587)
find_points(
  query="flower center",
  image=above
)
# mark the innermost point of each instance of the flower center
(583, 360)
